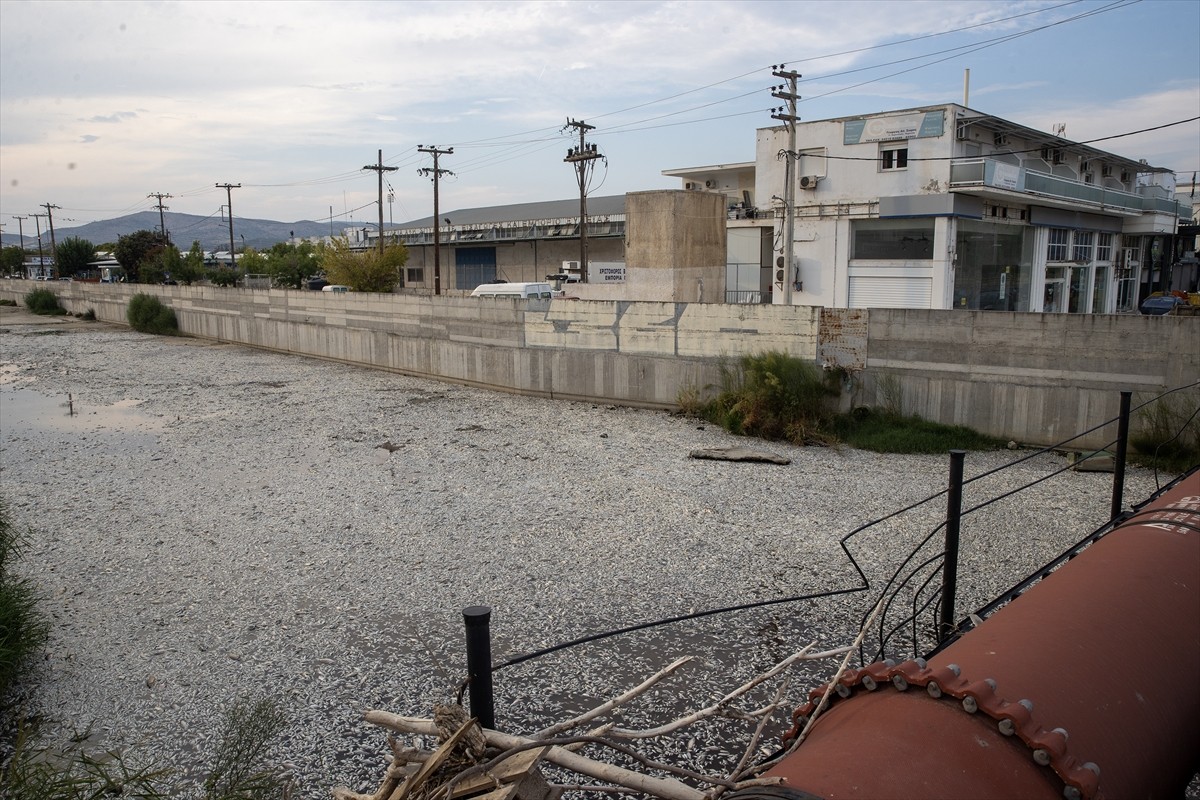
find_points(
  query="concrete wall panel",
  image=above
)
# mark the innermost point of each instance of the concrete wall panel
(1035, 378)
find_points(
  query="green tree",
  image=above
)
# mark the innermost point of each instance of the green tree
(191, 268)
(252, 262)
(11, 259)
(224, 276)
(364, 271)
(72, 256)
(289, 265)
(161, 265)
(134, 248)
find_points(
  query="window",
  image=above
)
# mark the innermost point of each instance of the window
(892, 239)
(1104, 247)
(415, 275)
(893, 156)
(1083, 246)
(1056, 248)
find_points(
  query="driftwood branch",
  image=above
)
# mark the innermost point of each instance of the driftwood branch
(721, 707)
(659, 787)
(511, 766)
(616, 702)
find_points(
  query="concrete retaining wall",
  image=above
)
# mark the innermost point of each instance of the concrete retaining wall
(1036, 378)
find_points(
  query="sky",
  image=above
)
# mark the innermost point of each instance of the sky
(104, 103)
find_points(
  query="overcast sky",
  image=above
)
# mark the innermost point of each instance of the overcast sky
(103, 103)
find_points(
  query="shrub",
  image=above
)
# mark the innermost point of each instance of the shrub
(6, 302)
(43, 301)
(772, 396)
(23, 629)
(148, 315)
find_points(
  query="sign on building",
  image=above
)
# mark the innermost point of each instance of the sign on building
(606, 272)
(887, 129)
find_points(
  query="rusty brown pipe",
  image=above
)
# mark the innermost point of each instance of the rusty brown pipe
(1086, 686)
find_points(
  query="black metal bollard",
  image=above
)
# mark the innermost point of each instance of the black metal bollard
(950, 559)
(479, 664)
(1118, 489)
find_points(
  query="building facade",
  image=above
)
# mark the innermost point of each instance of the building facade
(666, 245)
(944, 207)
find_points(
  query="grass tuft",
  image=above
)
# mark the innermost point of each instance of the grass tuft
(23, 628)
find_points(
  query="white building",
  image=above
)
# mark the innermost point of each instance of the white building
(944, 207)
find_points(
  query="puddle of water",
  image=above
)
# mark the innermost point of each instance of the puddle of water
(27, 410)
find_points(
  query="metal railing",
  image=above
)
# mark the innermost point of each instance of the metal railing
(989, 172)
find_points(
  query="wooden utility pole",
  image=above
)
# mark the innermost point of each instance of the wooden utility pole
(582, 157)
(380, 169)
(229, 187)
(37, 220)
(53, 245)
(437, 239)
(790, 272)
(162, 222)
(21, 232)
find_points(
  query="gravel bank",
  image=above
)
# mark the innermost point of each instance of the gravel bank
(218, 523)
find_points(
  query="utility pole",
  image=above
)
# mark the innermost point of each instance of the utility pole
(437, 239)
(229, 187)
(37, 220)
(582, 157)
(53, 246)
(380, 169)
(162, 223)
(788, 93)
(21, 232)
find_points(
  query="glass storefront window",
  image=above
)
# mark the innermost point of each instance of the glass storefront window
(994, 267)
(1100, 291)
(892, 239)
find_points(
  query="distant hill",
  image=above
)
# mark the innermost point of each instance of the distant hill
(211, 232)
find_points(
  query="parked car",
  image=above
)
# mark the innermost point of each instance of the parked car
(1162, 304)
(316, 284)
(333, 287)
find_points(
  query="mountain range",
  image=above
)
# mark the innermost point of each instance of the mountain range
(212, 232)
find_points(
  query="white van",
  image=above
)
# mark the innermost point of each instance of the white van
(514, 290)
(334, 287)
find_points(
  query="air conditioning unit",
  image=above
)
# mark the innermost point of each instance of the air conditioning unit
(570, 266)
(710, 184)
(1106, 171)
(691, 185)
(808, 181)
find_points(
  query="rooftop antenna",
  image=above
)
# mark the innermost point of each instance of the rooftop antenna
(1060, 128)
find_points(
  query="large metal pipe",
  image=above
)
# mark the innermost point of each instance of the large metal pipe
(1086, 686)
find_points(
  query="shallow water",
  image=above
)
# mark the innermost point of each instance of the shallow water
(36, 413)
